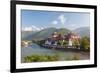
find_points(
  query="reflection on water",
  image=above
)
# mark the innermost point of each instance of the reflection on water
(35, 49)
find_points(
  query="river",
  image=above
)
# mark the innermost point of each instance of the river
(36, 49)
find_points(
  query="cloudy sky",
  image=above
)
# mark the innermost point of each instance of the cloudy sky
(37, 20)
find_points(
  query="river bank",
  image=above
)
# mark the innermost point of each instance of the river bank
(38, 50)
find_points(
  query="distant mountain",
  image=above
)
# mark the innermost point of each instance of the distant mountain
(25, 34)
(45, 33)
(83, 31)
(63, 31)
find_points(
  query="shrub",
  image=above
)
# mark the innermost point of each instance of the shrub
(41, 58)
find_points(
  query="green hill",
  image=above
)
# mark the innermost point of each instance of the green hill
(83, 31)
(45, 33)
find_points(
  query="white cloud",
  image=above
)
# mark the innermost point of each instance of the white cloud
(55, 22)
(41, 28)
(32, 28)
(35, 28)
(62, 19)
(27, 29)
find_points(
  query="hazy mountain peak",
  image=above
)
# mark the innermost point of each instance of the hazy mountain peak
(83, 31)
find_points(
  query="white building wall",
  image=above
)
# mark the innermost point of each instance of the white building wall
(70, 42)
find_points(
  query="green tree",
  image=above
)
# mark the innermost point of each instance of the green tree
(76, 43)
(85, 43)
(62, 42)
(65, 43)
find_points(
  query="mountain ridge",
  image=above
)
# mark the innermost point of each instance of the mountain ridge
(47, 32)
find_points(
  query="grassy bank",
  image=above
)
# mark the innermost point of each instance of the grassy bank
(47, 58)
